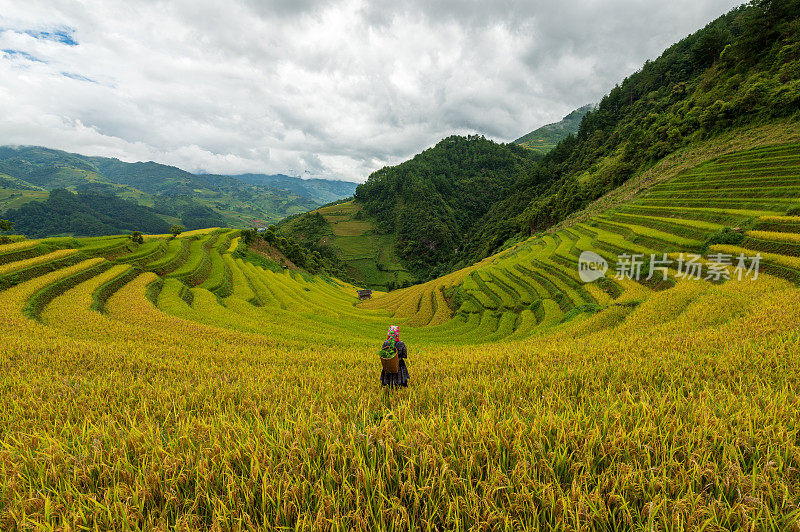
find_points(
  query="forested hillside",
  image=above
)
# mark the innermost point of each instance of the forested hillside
(432, 202)
(193, 200)
(343, 231)
(87, 214)
(466, 198)
(742, 68)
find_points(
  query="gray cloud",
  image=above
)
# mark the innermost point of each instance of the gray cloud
(334, 89)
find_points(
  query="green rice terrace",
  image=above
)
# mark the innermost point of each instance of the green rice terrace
(745, 202)
(170, 383)
(370, 256)
(741, 203)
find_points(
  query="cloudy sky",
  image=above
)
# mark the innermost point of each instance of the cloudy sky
(305, 87)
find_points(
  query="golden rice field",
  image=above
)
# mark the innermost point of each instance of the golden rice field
(172, 385)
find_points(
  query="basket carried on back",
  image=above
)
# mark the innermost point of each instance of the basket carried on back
(389, 358)
(391, 365)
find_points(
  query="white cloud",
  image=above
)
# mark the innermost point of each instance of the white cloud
(335, 89)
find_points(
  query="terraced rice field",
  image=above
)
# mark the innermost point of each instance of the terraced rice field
(369, 255)
(173, 385)
(675, 217)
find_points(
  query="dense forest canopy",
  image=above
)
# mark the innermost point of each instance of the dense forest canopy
(84, 214)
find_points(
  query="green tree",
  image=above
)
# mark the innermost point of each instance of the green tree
(137, 237)
(176, 230)
(6, 225)
(763, 23)
(709, 45)
(248, 236)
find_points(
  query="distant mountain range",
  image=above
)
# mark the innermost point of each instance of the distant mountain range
(321, 190)
(28, 173)
(546, 138)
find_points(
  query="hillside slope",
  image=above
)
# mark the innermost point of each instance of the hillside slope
(741, 69)
(321, 191)
(738, 203)
(431, 202)
(85, 214)
(545, 138)
(353, 237)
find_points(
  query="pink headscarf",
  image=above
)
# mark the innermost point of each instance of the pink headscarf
(394, 332)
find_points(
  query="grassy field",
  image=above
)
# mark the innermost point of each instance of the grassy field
(171, 384)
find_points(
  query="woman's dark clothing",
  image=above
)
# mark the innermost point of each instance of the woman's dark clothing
(401, 377)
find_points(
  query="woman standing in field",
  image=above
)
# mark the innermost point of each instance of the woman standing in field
(401, 377)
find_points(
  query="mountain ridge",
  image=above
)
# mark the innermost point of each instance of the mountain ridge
(431, 202)
(195, 200)
(545, 138)
(327, 190)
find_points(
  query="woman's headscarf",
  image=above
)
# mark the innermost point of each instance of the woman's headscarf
(394, 334)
